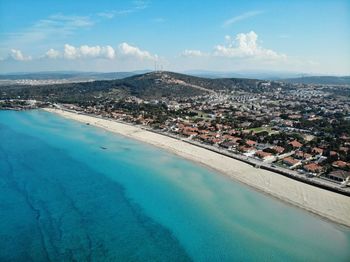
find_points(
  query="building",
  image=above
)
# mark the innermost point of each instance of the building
(278, 149)
(340, 164)
(290, 161)
(317, 151)
(295, 144)
(263, 155)
(313, 168)
(246, 149)
(302, 155)
(250, 143)
(228, 144)
(338, 175)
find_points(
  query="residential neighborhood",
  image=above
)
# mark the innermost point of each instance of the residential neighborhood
(304, 128)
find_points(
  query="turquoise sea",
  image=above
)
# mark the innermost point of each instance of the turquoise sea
(72, 192)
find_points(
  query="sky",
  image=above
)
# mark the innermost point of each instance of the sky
(303, 36)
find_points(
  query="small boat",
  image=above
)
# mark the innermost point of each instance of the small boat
(102, 147)
(88, 124)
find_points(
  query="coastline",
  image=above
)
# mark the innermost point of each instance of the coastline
(327, 204)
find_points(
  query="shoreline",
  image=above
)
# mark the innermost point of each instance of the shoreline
(326, 204)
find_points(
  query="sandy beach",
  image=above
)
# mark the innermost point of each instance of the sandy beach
(327, 204)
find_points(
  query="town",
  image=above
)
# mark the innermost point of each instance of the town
(300, 128)
(303, 130)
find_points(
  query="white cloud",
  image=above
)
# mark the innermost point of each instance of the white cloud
(17, 55)
(108, 15)
(90, 51)
(246, 46)
(136, 6)
(58, 24)
(139, 4)
(85, 51)
(52, 53)
(241, 17)
(47, 31)
(70, 52)
(133, 51)
(242, 46)
(68, 21)
(108, 52)
(192, 53)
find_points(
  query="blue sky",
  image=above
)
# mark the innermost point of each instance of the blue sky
(298, 36)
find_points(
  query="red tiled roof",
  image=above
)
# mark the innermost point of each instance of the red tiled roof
(262, 154)
(236, 140)
(344, 149)
(204, 137)
(216, 140)
(245, 148)
(278, 149)
(295, 143)
(301, 154)
(189, 133)
(250, 143)
(340, 164)
(340, 174)
(317, 150)
(312, 167)
(296, 116)
(290, 161)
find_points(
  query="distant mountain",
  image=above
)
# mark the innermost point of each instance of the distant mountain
(254, 74)
(70, 75)
(213, 74)
(325, 80)
(76, 76)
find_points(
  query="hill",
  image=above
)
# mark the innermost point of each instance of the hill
(153, 85)
(323, 80)
(175, 84)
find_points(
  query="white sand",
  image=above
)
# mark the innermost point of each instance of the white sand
(322, 202)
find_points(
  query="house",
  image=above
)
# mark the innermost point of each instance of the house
(338, 175)
(250, 143)
(228, 144)
(288, 123)
(317, 151)
(345, 137)
(233, 132)
(340, 164)
(263, 155)
(295, 144)
(203, 137)
(189, 133)
(246, 149)
(203, 131)
(295, 116)
(290, 161)
(344, 149)
(278, 149)
(216, 140)
(333, 153)
(228, 137)
(302, 155)
(313, 168)
(236, 140)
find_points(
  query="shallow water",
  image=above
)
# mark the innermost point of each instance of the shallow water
(64, 198)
